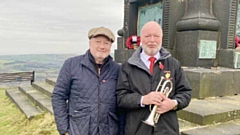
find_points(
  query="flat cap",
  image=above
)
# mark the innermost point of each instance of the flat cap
(101, 31)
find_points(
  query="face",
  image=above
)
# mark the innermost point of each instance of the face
(100, 48)
(151, 38)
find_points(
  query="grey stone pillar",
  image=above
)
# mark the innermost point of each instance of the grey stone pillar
(197, 36)
(121, 54)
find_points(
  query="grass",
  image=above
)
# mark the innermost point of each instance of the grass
(14, 122)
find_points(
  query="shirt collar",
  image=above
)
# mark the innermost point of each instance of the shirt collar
(145, 57)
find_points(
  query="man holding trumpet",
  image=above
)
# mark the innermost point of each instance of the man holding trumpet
(152, 78)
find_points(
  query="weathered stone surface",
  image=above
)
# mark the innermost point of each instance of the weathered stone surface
(51, 81)
(228, 128)
(225, 11)
(45, 104)
(23, 103)
(229, 58)
(121, 44)
(198, 16)
(122, 55)
(212, 110)
(43, 88)
(185, 125)
(226, 58)
(38, 94)
(43, 101)
(213, 82)
(188, 47)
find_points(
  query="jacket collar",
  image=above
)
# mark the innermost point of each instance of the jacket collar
(89, 62)
(136, 60)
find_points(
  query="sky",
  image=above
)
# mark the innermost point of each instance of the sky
(55, 26)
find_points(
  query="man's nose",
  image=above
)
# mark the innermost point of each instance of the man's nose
(151, 38)
(101, 45)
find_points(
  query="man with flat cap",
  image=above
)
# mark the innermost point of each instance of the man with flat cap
(84, 100)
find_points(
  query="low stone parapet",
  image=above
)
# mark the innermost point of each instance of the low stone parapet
(213, 82)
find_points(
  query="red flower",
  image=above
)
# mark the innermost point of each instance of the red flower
(133, 40)
(161, 66)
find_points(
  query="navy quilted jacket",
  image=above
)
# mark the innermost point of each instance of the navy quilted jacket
(91, 108)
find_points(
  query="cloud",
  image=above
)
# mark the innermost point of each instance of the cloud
(55, 26)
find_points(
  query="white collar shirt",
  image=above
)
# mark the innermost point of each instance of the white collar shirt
(144, 57)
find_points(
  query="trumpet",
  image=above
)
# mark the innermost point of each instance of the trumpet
(154, 116)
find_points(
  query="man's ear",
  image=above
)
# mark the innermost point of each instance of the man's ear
(89, 42)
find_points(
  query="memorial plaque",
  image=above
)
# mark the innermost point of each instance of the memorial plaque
(208, 49)
(147, 13)
(237, 60)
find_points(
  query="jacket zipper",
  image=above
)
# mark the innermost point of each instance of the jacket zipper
(99, 72)
(99, 100)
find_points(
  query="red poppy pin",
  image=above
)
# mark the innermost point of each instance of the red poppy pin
(161, 66)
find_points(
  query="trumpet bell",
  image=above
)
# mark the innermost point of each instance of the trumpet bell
(150, 119)
(149, 122)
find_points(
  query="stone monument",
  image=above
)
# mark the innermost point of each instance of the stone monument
(197, 32)
(201, 35)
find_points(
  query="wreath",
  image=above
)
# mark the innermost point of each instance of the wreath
(133, 42)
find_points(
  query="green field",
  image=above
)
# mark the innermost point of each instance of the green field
(44, 65)
(14, 122)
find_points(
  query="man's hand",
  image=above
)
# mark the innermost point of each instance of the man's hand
(154, 98)
(166, 105)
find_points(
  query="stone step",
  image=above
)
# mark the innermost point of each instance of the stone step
(227, 128)
(184, 125)
(23, 103)
(212, 110)
(51, 81)
(39, 99)
(43, 88)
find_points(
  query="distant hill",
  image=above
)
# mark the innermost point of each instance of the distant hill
(44, 65)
